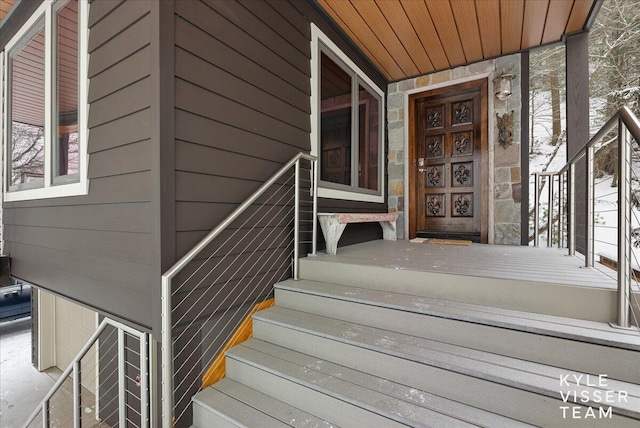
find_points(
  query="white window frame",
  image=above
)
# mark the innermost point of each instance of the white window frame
(59, 186)
(320, 42)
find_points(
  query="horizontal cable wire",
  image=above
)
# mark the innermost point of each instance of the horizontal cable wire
(196, 287)
(606, 272)
(226, 340)
(206, 336)
(211, 256)
(267, 284)
(221, 303)
(266, 256)
(237, 296)
(608, 194)
(605, 242)
(220, 288)
(133, 410)
(228, 266)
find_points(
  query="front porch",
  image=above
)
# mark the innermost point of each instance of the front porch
(540, 280)
(394, 333)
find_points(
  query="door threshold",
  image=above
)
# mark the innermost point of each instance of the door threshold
(473, 237)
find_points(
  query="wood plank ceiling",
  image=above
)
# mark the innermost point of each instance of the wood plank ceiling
(407, 38)
(5, 6)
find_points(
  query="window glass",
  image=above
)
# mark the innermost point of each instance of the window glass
(369, 130)
(335, 126)
(27, 71)
(66, 137)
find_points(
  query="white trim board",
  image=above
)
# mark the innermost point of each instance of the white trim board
(46, 13)
(317, 38)
(484, 75)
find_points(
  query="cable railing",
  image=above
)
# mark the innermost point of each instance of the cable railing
(209, 292)
(593, 208)
(106, 384)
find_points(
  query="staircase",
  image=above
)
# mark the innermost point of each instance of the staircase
(341, 355)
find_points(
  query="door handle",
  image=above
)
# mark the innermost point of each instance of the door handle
(420, 165)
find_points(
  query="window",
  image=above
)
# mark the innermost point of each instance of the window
(347, 111)
(45, 104)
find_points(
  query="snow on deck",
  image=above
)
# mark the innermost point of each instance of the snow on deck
(545, 265)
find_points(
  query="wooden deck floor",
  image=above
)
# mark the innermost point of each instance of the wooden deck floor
(544, 265)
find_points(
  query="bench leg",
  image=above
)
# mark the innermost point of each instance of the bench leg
(388, 230)
(332, 231)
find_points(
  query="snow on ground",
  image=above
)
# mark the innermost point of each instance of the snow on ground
(606, 197)
(543, 150)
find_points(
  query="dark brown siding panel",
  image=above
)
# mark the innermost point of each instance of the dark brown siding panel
(205, 17)
(243, 106)
(119, 104)
(210, 161)
(215, 189)
(131, 217)
(120, 47)
(194, 99)
(275, 18)
(126, 246)
(99, 282)
(100, 9)
(126, 130)
(270, 29)
(208, 76)
(128, 159)
(212, 50)
(201, 130)
(117, 189)
(97, 248)
(116, 22)
(124, 73)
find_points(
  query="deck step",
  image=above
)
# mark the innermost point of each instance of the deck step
(350, 397)
(534, 337)
(419, 271)
(241, 406)
(213, 409)
(517, 389)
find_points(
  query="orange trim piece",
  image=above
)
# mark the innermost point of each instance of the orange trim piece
(217, 369)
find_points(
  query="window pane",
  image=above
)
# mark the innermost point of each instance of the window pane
(335, 127)
(66, 137)
(27, 112)
(369, 136)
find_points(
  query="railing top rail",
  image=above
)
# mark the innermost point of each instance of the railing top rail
(628, 118)
(631, 121)
(180, 264)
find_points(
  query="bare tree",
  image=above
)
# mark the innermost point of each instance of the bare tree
(27, 153)
(615, 58)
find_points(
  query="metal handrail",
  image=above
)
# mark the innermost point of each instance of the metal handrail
(628, 126)
(75, 366)
(167, 277)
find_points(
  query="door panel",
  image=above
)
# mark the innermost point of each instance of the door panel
(449, 156)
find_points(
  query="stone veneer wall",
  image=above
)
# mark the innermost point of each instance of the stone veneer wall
(504, 163)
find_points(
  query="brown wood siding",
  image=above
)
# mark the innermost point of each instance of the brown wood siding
(242, 94)
(96, 249)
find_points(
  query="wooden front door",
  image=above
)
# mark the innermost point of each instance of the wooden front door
(448, 150)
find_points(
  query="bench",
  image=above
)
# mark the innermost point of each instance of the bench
(333, 224)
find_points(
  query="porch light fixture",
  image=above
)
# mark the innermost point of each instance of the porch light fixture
(502, 85)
